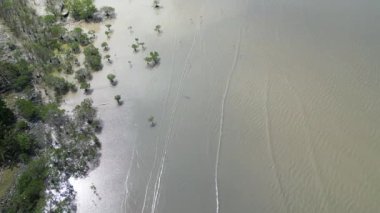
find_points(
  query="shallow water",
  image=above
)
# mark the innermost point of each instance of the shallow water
(261, 106)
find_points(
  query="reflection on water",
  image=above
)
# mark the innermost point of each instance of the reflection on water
(261, 106)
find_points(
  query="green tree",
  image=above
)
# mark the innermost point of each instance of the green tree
(75, 48)
(7, 118)
(105, 46)
(135, 47)
(153, 58)
(59, 84)
(111, 78)
(83, 75)
(85, 86)
(158, 29)
(156, 4)
(118, 99)
(28, 109)
(108, 27)
(108, 57)
(93, 58)
(30, 187)
(82, 9)
(85, 112)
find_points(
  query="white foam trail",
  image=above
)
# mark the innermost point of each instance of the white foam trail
(149, 180)
(221, 123)
(124, 204)
(162, 164)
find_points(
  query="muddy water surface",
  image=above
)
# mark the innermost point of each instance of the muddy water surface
(261, 106)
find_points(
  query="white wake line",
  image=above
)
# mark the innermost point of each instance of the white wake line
(221, 123)
(162, 164)
(124, 204)
(156, 151)
(149, 180)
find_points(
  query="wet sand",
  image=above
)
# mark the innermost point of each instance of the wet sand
(261, 106)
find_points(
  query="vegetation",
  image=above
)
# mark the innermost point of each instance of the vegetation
(15, 143)
(158, 29)
(108, 57)
(108, 11)
(118, 99)
(135, 47)
(108, 27)
(82, 75)
(28, 110)
(85, 86)
(111, 78)
(59, 84)
(29, 194)
(108, 34)
(15, 76)
(92, 58)
(81, 9)
(105, 46)
(156, 4)
(152, 59)
(48, 145)
(152, 122)
(77, 35)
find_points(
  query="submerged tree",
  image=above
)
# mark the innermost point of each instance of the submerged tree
(81, 9)
(85, 86)
(108, 27)
(111, 78)
(153, 58)
(108, 57)
(109, 12)
(92, 34)
(151, 118)
(105, 46)
(156, 4)
(142, 44)
(118, 99)
(108, 34)
(152, 122)
(158, 29)
(135, 47)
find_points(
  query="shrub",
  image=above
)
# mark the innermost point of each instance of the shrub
(93, 58)
(60, 85)
(82, 9)
(15, 76)
(30, 187)
(28, 110)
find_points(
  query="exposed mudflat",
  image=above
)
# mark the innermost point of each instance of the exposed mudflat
(261, 106)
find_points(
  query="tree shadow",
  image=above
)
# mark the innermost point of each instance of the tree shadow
(88, 91)
(151, 66)
(114, 83)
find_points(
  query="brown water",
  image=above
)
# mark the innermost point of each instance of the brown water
(261, 106)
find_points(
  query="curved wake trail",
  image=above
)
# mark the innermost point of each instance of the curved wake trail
(149, 180)
(124, 204)
(165, 112)
(221, 123)
(162, 164)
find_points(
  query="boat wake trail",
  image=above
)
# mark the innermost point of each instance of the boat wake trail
(186, 69)
(221, 123)
(124, 206)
